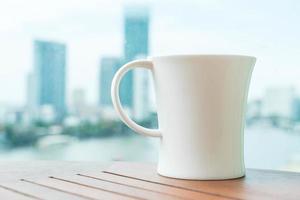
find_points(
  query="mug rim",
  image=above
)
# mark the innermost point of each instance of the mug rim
(203, 55)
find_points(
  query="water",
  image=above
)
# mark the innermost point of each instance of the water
(272, 149)
(103, 149)
(264, 148)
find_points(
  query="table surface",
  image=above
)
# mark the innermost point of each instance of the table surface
(128, 180)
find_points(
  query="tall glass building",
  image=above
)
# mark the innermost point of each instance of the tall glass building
(136, 31)
(50, 75)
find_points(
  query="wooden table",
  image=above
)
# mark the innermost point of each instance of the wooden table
(123, 180)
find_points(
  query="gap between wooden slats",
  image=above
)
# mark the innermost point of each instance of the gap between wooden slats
(258, 184)
(147, 172)
(48, 192)
(79, 189)
(8, 193)
(117, 188)
(154, 187)
(36, 191)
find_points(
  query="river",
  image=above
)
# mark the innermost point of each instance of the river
(264, 148)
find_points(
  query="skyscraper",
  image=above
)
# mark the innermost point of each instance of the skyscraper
(109, 66)
(136, 32)
(49, 72)
(136, 28)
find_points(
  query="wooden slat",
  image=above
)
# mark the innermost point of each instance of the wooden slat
(80, 189)
(148, 186)
(39, 192)
(81, 181)
(258, 184)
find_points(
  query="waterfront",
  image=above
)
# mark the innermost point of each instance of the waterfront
(264, 148)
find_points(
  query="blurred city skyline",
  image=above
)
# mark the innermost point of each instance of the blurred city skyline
(78, 37)
(94, 30)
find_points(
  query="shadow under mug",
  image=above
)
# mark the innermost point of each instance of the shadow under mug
(201, 103)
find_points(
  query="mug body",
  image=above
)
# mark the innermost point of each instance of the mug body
(201, 102)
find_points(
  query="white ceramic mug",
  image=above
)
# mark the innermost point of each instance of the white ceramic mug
(201, 103)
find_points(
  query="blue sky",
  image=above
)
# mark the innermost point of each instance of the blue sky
(91, 29)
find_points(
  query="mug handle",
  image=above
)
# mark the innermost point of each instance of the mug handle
(116, 99)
